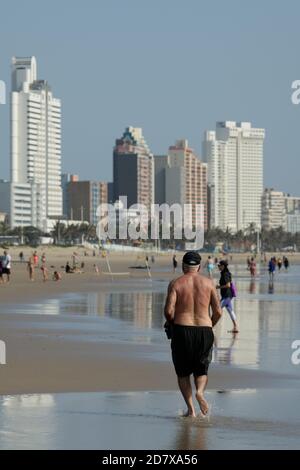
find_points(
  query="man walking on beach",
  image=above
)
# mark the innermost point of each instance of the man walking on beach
(6, 262)
(187, 309)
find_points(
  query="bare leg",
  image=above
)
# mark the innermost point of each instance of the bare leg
(200, 383)
(186, 390)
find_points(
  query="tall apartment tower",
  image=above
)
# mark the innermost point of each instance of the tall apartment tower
(35, 143)
(180, 177)
(273, 209)
(133, 169)
(234, 154)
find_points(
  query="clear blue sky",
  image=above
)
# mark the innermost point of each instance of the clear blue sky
(172, 67)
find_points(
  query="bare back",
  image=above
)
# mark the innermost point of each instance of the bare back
(189, 300)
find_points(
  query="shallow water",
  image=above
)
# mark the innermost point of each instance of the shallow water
(269, 318)
(238, 420)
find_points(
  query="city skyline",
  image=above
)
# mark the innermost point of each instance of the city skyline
(173, 86)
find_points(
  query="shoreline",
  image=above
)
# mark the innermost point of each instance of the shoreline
(55, 354)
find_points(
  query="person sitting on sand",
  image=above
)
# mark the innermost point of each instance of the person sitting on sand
(68, 268)
(56, 276)
(187, 311)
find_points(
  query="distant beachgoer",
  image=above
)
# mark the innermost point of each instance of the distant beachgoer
(210, 266)
(174, 263)
(56, 276)
(35, 258)
(286, 263)
(6, 263)
(272, 268)
(226, 292)
(21, 257)
(82, 265)
(96, 269)
(252, 267)
(68, 268)
(279, 264)
(30, 268)
(43, 259)
(248, 263)
(94, 253)
(74, 259)
(1, 272)
(152, 259)
(44, 272)
(189, 325)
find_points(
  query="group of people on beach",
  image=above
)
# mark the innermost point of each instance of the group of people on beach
(277, 263)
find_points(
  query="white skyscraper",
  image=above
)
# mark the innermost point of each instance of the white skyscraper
(35, 147)
(234, 153)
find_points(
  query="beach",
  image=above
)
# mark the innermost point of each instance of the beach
(100, 335)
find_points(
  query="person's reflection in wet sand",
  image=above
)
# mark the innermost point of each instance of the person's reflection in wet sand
(191, 434)
(271, 287)
(252, 287)
(224, 355)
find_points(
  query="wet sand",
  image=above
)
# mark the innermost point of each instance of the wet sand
(62, 337)
(91, 333)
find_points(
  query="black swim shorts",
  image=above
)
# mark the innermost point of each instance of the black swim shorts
(191, 349)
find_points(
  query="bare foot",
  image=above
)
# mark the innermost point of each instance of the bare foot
(189, 414)
(202, 403)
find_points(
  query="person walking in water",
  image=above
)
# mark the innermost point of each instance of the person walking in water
(272, 268)
(187, 311)
(225, 285)
(210, 266)
(174, 263)
(252, 267)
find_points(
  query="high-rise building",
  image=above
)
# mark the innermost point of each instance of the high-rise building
(84, 198)
(234, 154)
(35, 143)
(292, 222)
(133, 169)
(180, 177)
(66, 178)
(280, 210)
(273, 209)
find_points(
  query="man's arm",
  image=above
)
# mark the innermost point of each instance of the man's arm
(215, 306)
(170, 303)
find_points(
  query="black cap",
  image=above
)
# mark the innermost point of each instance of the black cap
(223, 262)
(191, 258)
